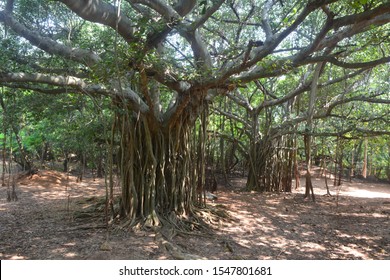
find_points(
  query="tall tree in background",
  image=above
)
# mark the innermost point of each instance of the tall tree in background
(161, 62)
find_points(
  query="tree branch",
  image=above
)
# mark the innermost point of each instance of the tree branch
(240, 100)
(284, 65)
(234, 117)
(329, 107)
(277, 67)
(347, 65)
(162, 8)
(364, 16)
(304, 87)
(261, 52)
(183, 7)
(342, 133)
(172, 16)
(320, 36)
(210, 11)
(48, 45)
(52, 91)
(79, 85)
(9, 7)
(265, 20)
(355, 27)
(201, 54)
(104, 13)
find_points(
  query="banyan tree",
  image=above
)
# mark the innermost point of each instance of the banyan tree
(161, 63)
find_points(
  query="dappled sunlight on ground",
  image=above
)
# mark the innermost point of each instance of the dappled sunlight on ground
(56, 185)
(285, 226)
(357, 188)
(46, 222)
(358, 192)
(59, 218)
(13, 257)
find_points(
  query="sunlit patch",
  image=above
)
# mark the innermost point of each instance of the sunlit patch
(245, 243)
(366, 193)
(311, 246)
(353, 251)
(70, 255)
(308, 233)
(14, 257)
(59, 250)
(340, 234)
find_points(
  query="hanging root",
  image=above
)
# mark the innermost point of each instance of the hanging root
(11, 193)
(14, 197)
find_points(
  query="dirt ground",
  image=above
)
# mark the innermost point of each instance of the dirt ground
(52, 219)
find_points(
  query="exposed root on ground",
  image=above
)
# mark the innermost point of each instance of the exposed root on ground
(199, 224)
(174, 250)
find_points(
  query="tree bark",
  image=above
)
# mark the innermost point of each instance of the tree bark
(3, 155)
(162, 171)
(365, 158)
(309, 128)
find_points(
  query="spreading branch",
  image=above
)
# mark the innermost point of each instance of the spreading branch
(162, 8)
(209, 12)
(76, 85)
(104, 13)
(236, 70)
(48, 45)
(347, 65)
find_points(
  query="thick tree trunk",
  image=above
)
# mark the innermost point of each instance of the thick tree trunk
(271, 165)
(258, 155)
(160, 174)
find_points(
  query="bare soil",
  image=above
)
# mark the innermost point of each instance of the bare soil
(57, 218)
